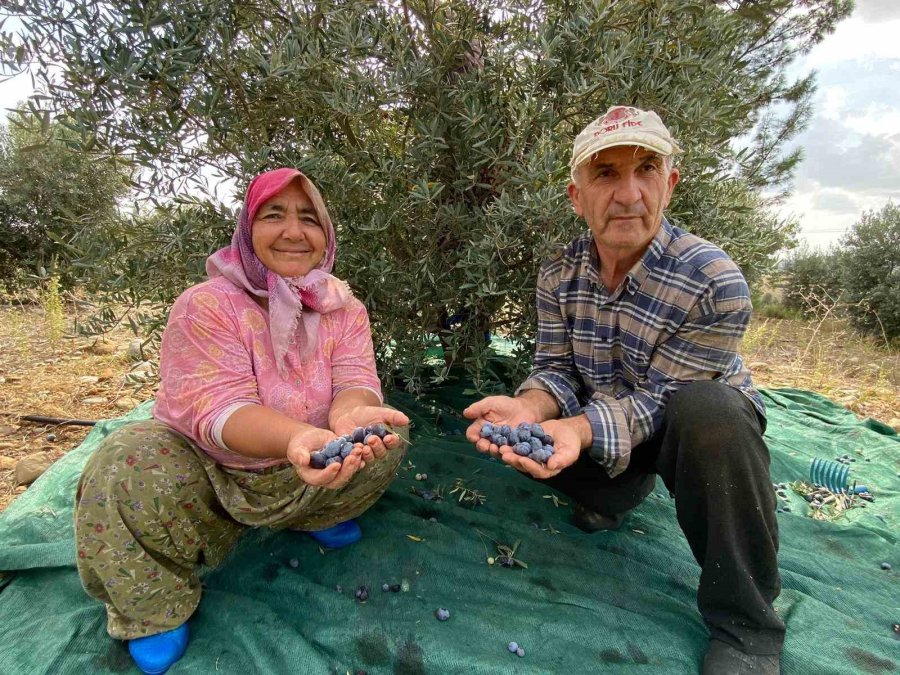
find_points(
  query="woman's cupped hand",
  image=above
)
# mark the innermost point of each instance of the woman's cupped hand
(311, 439)
(367, 416)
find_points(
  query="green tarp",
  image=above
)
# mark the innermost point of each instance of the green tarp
(609, 602)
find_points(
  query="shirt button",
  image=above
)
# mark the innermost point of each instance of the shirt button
(298, 382)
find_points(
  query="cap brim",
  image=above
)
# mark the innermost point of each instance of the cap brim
(664, 148)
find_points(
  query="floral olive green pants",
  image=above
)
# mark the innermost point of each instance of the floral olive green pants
(151, 507)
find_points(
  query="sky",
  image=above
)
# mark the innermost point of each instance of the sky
(852, 144)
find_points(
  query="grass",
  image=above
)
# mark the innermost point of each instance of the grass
(827, 357)
(54, 317)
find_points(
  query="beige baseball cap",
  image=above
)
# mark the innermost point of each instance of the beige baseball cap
(622, 125)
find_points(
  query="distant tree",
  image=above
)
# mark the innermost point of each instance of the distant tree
(871, 271)
(142, 254)
(50, 190)
(14, 245)
(811, 280)
(438, 130)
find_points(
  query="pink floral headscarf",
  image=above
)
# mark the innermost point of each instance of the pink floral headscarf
(295, 303)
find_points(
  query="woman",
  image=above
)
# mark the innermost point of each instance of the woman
(260, 366)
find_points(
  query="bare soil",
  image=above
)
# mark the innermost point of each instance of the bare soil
(70, 378)
(75, 378)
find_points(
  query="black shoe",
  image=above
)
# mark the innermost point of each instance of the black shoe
(591, 521)
(723, 659)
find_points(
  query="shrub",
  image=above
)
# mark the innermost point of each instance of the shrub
(871, 272)
(810, 277)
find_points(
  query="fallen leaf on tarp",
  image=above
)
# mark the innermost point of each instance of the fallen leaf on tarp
(557, 502)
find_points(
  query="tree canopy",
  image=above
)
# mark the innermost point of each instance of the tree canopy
(438, 130)
(871, 271)
(49, 191)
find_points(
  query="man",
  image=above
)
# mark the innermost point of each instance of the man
(637, 373)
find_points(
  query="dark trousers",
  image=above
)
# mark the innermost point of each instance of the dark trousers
(711, 455)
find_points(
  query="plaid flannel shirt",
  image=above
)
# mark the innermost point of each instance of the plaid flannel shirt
(679, 316)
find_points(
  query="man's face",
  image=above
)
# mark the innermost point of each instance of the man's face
(621, 193)
(286, 234)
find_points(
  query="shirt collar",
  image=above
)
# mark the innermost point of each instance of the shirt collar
(592, 268)
(638, 273)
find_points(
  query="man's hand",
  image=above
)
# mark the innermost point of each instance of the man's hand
(570, 437)
(367, 415)
(335, 476)
(496, 410)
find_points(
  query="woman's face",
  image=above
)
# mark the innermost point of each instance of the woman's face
(286, 233)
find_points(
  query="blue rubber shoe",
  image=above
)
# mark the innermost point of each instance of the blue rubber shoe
(155, 653)
(338, 536)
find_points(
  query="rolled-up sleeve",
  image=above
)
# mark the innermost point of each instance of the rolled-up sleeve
(705, 347)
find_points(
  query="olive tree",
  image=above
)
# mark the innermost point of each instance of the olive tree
(49, 193)
(870, 266)
(438, 130)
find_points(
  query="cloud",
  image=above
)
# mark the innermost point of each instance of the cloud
(834, 201)
(852, 145)
(855, 38)
(877, 10)
(824, 214)
(859, 87)
(840, 154)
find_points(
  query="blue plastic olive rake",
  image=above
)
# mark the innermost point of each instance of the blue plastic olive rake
(832, 475)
